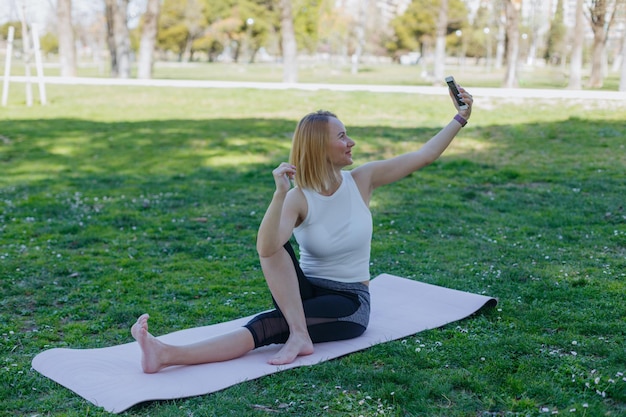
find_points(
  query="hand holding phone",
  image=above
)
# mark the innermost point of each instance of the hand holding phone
(455, 92)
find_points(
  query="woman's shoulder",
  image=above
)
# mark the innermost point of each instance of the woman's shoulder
(296, 195)
(362, 178)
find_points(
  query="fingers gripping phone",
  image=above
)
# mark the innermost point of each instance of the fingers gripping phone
(455, 91)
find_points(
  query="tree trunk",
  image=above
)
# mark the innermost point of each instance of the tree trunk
(360, 35)
(122, 38)
(290, 49)
(512, 33)
(596, 78)
(576, 61)
(622, 80)
(440, 44)
(109, 8)
(500, 43)
(27, 56)
(188, 51)
(148, 39)
(118, 37)
(65, 30)
(599, 25)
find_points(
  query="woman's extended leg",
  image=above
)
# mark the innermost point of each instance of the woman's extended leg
(281, 277)
(157, 355)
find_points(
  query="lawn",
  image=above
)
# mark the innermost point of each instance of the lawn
(339, 71)
(116, 201)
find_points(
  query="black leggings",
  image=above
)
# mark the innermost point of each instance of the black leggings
(333, 311)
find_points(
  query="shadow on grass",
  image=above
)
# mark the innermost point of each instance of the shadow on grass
(54, 149)
(546, 174)
(212, 164)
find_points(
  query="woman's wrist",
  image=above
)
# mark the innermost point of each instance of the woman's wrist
(460, 119)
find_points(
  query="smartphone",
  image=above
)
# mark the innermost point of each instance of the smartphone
(455, 91)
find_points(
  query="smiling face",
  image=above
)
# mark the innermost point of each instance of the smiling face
(340, 145)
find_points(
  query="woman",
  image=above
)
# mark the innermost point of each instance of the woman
(324, 295)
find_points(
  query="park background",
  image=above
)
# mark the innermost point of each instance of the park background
(118, 198)
(579, 43)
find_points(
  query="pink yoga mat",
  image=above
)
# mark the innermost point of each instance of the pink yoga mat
(112, 378)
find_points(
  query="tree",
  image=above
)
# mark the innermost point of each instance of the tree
(67, 49)
(118, 37)
(306, 20)
(556, 37)
(148, 39)
(440, 43)
(359, 32)
(601, 16)
(532, 29)
(334, 29)
(180, 24)
(234, 27)
(576, 60)
(417, 27)
(288, 42)
(480, 36)
(512, 9)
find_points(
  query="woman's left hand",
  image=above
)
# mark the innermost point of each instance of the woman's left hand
(467, 99)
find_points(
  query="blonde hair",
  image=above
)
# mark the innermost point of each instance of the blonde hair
(309, 152)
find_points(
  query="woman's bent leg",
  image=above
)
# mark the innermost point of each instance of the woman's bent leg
(281, 277)
(157, 355)
(330, 316)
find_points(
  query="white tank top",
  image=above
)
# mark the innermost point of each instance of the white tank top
(335, 237)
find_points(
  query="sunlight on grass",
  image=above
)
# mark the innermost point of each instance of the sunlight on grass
(464, 145)
(62, 150)
(33, 172)
(235, 160)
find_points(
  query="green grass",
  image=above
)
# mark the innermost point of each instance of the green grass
(117, 201)
(469, 74)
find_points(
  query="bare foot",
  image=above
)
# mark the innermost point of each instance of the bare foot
(151, 347)
(296, 345)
